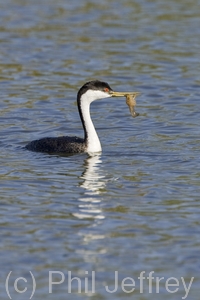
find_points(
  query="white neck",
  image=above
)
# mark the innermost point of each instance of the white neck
(93, 142)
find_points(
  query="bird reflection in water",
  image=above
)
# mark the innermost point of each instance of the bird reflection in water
(94, 184)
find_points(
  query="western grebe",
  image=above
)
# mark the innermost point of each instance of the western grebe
(89, 92)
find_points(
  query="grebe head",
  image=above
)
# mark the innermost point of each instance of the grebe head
(94, 90)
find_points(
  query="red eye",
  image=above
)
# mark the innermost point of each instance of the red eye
(106, 90)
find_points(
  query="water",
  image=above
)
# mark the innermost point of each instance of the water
(136, 206)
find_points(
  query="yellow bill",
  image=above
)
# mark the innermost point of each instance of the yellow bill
(123, 94)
